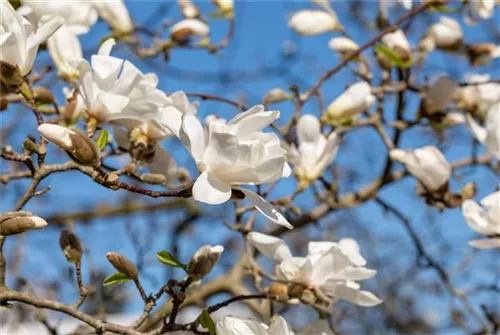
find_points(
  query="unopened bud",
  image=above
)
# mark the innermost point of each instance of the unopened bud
(70, 246)
(30, 146)
(276, 95)
(43, 95)
(226, 7)
(73, 141)
(153, 178)
(183, 30)
(123, 265)
(12, 223)
(188, 9)
(468, 191)
(203, 261)
(11, 78)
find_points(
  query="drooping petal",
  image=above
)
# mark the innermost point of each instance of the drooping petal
(279, 326)
(355, 296)
(477, 218)
(254, 119)
(319, 327)
(265, 208)
(163, 163)
(193, 136)
(272, 247)
(211, 190)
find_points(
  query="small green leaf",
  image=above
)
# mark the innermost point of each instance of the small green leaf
(102, 139)
(393, 57)
(207, 322)
(116, 278)
(167, 258)
(444, 9)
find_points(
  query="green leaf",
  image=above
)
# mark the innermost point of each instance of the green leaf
(393, 56)
(116, 278)
(102, 139)
(444, 9)
(207, 322)
(167, 258)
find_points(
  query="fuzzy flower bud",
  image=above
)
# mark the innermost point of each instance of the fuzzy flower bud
(447, 34)
(356, 99)
(12, 223)
(73, 141)
(276, 95)
(185, 29)
(70, 246)
(123, 265)
(226, 7)
(188, 9)
(313, 22)
(203, 261)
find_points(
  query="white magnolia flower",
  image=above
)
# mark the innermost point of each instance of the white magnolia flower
(439, 95)
(484, 218)
(185, 29)
(110, 86)
(19, 40)
(478, 10)
(490, 134)
(233, 154)
(478, 98)
(447, 33)
(232, 325)
(332, 268)
(398, 42)
(356, 99)
(64, 46)
(343, 45)
(116, 14)
(427, 164)
(78, 15)
(315, 151)
(313, 22)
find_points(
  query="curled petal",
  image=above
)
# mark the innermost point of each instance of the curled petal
(211, 190)
(272, 247)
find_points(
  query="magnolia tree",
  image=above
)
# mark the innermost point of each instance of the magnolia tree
(356, 192)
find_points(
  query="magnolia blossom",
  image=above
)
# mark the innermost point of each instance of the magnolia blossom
(64, 45)
(18, 40)
(427, 164)
(116, 14)
(356, 99)
(73, 141)
(330, 268)
(484, 218)
(343, 45)
(490, 134)
(234, 154)
(439, 95)
(313, 22)
(398, 42)
(232, 325)
(315, 151)
(480, 95)
(111, 86)
(478, 10)
(185, 29)
(446, 34)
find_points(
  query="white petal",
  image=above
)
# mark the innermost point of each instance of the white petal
(319, 327)
(163, 163)
(358, 273)
(279, 326)
(361, 298)
(313, 22)
(193, 136)
(106, 46)
(308, 129)
(477, 218)
(211, 190)
(253, 120)
(56, 134)
(478, 131)
(486, 243)
(45, 31)
(272, 247)
(265, 208)
(113, 103)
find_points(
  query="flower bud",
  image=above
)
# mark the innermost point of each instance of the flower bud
(43, 95)
(343, 45)
(116, 14)
(313, 22)
(123, 265)
(356, 99)
(447, 34)
(10, 78)
(188, 9)
(468, 191)
(70, 246)
(203, 261)
(398, 42)
(482, 51)
(12, 223)
(276, 95)
(439, 95)
(226, 7)
(73, 141)
(153, 178)
(185, 29)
